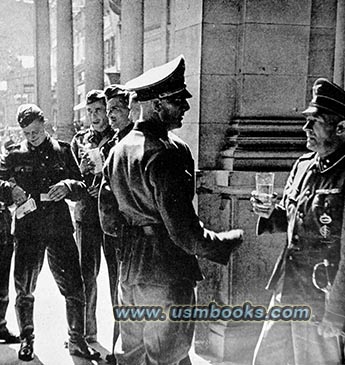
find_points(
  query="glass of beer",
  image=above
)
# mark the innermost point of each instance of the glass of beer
(264, 187)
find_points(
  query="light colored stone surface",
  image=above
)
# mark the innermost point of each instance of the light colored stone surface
(275, 49)
(222, 11)
(219, 49)
(187, 42)
(187, 13)
(211, 142)
(219, 94)
(274, 95)
(321, 52)
(278, 12)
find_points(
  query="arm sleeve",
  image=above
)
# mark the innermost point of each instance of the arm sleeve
(5, 192)
(277, 222)
(75, 149)
(108, 208)
(73, 179)
(171, 190)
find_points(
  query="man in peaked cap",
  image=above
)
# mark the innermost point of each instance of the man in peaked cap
(151, 175)
(311, 269)
(42, 172)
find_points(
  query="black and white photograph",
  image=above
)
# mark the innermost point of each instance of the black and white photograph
(172, 182)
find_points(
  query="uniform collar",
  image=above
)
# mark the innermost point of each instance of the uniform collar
(328, 162)
(124, 131)
(42, 146)
(96, 137)
(152, 127)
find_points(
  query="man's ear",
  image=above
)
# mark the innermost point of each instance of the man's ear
(340, 128)
(157, 105)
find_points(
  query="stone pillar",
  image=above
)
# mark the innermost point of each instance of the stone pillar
(65, 72)
(42, 59)
(339, 52)
(132, 39)
(94, 45)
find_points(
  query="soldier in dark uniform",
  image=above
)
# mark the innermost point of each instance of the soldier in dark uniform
(117, 106)
(44, 169)
(311, 269)
(6, 252)
(89, 234)
(151, 174)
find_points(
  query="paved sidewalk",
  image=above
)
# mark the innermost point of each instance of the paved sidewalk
(51, 327)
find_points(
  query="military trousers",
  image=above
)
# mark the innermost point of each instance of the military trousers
(156, 342)
(90, 238)
(6, 252)
(295, 343)
(63, 260)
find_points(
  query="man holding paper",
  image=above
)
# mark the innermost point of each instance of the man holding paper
(42, 172)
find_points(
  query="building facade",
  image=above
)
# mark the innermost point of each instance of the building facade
(250, 65)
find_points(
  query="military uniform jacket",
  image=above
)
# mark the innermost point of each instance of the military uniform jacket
(311, 212)
(35, 169)
(86, 210)
(107, 204)
(151, 174)
(5, 215)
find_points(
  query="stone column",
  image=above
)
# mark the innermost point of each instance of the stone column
(94, 45)
(132, 38)
(42, 59)
(65, 72)
(339, 52)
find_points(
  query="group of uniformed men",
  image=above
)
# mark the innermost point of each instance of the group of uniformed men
(133, 183)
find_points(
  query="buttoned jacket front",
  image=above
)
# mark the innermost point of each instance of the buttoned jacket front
(86, 209)
(311, 212)
(36, 169)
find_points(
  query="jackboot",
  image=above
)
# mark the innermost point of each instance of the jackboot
(26, 351)
(6, 336)
(81, 349)
(77, 345)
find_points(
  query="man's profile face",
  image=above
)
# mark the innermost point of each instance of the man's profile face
(35, 132)
(118, 112)
(96, 113)
(172, 111)
(321, 135)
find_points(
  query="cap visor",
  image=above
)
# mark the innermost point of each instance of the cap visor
(310, 110)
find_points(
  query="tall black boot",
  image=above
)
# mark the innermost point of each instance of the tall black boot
(26, 351)
(77, 345)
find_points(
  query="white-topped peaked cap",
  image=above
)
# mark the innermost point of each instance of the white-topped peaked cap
(161, 82)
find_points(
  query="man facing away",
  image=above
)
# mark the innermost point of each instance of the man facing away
(151, 174)
(42, 172)
(311, 269)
